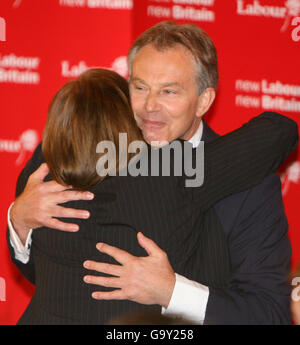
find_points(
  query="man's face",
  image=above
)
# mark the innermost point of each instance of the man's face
(164, 94)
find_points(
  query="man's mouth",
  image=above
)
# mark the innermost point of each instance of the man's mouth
(152, 124)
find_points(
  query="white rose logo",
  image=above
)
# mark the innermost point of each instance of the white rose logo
(293, 10)
(292, 174)
(120, 66)
(28, 141)
(2, 290)
(17, 3)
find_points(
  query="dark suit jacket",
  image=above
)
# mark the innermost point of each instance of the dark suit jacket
(173, 217)
(252, 235)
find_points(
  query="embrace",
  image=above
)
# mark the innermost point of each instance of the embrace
(215, 253)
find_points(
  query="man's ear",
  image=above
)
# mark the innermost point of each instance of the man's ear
(205, 100)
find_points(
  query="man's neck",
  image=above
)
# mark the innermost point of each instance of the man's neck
(196, 138)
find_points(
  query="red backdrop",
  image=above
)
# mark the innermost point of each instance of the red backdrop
(45, 43)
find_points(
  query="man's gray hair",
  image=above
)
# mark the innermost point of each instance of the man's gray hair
(166, 35)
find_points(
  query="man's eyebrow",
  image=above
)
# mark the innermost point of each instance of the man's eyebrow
(168, 84)
(171, 84)
(138, 80)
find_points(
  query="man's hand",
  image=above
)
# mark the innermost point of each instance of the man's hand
(146, 280)
(37, 205)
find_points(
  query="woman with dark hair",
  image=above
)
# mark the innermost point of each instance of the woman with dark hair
(83, 113)
(96, 108)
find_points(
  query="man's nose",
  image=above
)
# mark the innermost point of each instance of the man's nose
(152, 103)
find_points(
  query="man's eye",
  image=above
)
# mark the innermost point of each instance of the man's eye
(139, 88)
(169, 92)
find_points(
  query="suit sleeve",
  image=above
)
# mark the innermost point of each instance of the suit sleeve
(260, 253)
(36, 160)
(241, 159)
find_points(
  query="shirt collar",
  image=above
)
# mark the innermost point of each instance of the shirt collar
(196, 138)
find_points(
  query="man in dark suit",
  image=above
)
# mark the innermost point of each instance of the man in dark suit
(173, 78)
(250, 229)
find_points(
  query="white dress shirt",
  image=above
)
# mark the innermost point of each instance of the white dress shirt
(189, 298)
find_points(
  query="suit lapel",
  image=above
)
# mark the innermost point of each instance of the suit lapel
(208, 134)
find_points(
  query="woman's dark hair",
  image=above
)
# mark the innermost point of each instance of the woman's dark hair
(84, 112)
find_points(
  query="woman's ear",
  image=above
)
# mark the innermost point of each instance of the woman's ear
(205, 101)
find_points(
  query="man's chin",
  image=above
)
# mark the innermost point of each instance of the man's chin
(156, 141)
